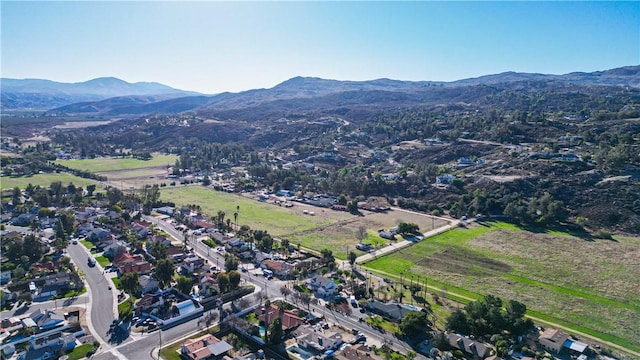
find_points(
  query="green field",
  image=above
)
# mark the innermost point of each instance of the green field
(112, 164)
(44, 180)
(564, 277)
(278, 221)
(80, 352)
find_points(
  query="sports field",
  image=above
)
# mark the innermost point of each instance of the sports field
(328, 229)
(45, 180)
(593, 283)
(99, 165)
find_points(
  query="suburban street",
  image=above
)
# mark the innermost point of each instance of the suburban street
(102, 300)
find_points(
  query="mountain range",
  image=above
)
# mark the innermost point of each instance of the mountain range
(111, 96)
(39, 94)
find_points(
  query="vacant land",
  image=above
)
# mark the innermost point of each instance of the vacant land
(335, 230)
(591, 283)
(44, 180)
(99, 165)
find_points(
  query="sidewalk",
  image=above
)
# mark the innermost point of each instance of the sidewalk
(404, 243)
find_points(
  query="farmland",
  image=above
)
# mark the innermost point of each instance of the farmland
(100, 165)
(327, 229)
(578, 281)
(44, 180)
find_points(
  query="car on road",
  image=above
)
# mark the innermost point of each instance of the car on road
(75, 242)
(109, 287)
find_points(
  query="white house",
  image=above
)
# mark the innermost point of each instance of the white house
(322, 286)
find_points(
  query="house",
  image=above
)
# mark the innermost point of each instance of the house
(175, 253)
(147, 283)
(553, 339)
(5, 277)
(322, 286)
(390, 310)
(23, 219)
(46, 319)
(127, 263)
(84, 229)
(444, 179)
(52, 285)
(192, 263)
(142, 228)
(201, 224)
(204, 348)
(280, 268)
(99, 235)
(112, 251)
(361, 352)
(309, 339)
(471, 347)
(165, 210)
(289, 319)
(148, 301)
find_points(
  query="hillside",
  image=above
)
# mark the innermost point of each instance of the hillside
(308, 94)
(38, 94)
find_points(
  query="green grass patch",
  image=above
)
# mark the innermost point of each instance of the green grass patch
(80, 352)
(377, 321)
(103, 261)
(114, 163)
(278, 221)
(45, 180)
(73, 293)
(125, 308)
(88, 244)
(116, 282)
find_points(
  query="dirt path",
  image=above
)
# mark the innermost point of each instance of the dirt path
(537, 320)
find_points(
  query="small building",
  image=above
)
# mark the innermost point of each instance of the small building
(205, 347)
(553, 339)
(289, 319)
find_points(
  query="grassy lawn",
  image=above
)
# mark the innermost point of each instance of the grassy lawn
(103, 261)
(278, 221)
(557, 275)
(45, 180)
(72, 293)
(377, 321)
(111, 164)
(88, 244)
(125, 308)
(116, 282)
(80, 352)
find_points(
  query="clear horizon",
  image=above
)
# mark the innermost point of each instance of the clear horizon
(213, 47)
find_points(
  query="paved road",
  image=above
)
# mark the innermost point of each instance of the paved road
(102, 301)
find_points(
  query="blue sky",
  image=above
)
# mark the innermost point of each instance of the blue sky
(232, 46)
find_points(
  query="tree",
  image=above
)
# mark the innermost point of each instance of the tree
(16, 198)
(32, 248)
(91, 188)
(184, 284)
(206, 181)
(164, 272)
(275, 331)
(158, 250)
(285, 291)
(234, 279)
(130, 282)
(230, 263)
(458, 322)
(352, 258)
(408, 228)
(26, 297)
(414, 324)
(223, 282)
(361, 234)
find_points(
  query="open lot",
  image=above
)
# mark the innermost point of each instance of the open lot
(329, 229)
(45, 180)
(577, 281)
(100, 165)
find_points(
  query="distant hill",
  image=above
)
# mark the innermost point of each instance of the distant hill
(38, 94)
(305, 94)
